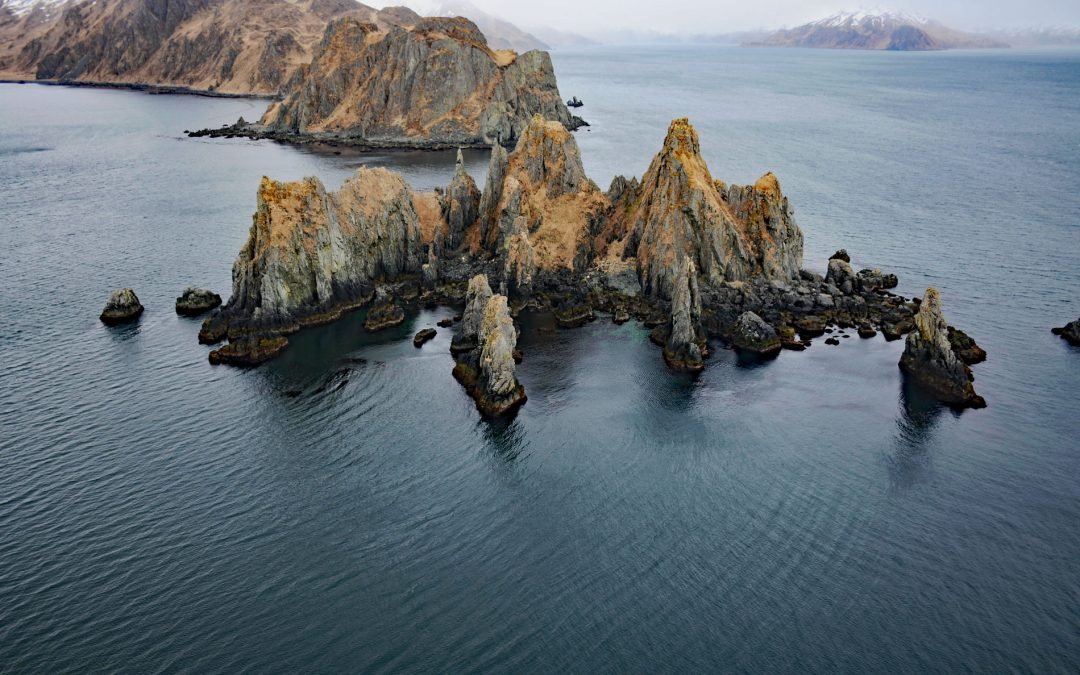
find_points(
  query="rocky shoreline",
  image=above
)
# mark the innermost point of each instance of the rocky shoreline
(692, 258)
(163, 89)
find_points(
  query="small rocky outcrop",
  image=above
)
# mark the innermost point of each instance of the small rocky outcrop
(196, 301)
(384, 315)
(423, 336)
(841, 254)
(249, 351)
(122, 306)
(841, 275)
(965, 347)
(752, 334)
(929, 359)
(433, 84)
(1070, 332)
(476, 297)
(684, 348)
(488, 372)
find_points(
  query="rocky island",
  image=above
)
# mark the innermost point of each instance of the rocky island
(434, 83)
(690, 256)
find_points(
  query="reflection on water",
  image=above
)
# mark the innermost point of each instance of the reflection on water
(909, 462)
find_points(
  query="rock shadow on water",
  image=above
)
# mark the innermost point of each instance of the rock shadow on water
(910, 463)
(504, 436)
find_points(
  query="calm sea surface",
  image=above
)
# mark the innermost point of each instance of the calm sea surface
(345, 509)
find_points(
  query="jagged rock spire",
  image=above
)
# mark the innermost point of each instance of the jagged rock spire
(929, 358)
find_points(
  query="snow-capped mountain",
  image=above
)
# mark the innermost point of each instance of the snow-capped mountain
(876, 29)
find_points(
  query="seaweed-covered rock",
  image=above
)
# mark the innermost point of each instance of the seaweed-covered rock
(122, 306)
(929, 359)
(249, 351)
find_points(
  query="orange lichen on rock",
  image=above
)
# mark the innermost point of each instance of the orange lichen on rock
(429, 210)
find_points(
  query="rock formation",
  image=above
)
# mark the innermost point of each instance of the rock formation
(537, 208)
(123, 306)
(423, 336)
(488, 372)
(433, 84)
(196, 301)
(684, 348)
(312, 255)
(460, 204)
(1070, 332)
(468, 335)
(929, 359)
(386, 314)
(752, 334)
(731, 233)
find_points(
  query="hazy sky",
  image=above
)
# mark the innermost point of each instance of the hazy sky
(723, 16)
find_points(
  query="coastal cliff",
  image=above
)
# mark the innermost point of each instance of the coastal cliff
(692, 257)
(433, 84)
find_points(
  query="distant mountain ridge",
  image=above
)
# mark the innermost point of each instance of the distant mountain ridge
(894, 31)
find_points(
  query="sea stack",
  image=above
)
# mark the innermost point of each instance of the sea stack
(730, 233)
(468, 336)
(488, 371)
(929, 359)
(123, 306)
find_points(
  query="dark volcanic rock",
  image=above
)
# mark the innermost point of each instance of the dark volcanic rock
(123, 306)
(423, 336)
(752, 334)
(1069, 332)
(929, 359)
(196, 301)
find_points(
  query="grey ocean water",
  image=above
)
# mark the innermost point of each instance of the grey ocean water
(344, 509)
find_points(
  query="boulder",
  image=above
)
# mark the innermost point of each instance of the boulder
(841, 275)
(929, 359)
(1070, 332)
(842, 254)
(752, 334)
(122, 306)
(874, 279)
(196, 301)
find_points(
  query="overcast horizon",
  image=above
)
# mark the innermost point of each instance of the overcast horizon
(696, 17)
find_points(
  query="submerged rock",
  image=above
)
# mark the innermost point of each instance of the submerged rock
(684, 348)
(196, 301)
(489, 373)
(753, 334)
(929, 359)
(1070, 332)
(122, 306)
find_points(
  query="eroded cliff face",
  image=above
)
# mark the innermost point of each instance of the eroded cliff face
(684, 349)
(311, 254)
(929, 358)
(436, 82)
(228, 46)
(731, 233)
